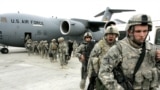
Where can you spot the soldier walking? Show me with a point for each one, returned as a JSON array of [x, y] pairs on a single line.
[[75, 45], [53, 47], [133, 63], [63, 51], [28, 45], [83, 52], [99, 50]]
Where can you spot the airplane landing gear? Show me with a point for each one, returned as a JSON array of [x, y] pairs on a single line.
[[4, 50]]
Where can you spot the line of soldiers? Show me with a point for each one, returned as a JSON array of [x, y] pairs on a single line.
[[89, 53], [128, 64], [51, 50]]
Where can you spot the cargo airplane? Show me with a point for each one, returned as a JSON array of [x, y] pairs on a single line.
[[14, 27]]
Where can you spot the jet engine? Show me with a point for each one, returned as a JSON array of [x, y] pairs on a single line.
[[72, 27]]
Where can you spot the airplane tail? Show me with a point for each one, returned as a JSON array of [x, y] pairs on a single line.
[[107, 14]]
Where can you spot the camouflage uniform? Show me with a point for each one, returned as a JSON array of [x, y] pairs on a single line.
[[35, 47], [53, 47], [100, 49], [84, 50], [45, 49], [63, 51], [29, 46], [128, 52], [27, 37], [75, 45], [40, 47]]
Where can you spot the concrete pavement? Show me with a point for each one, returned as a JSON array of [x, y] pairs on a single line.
[[18, 71]]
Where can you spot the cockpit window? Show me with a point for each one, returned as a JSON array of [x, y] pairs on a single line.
[[157, 38], [3, 19]]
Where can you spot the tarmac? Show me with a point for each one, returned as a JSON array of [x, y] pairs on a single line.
[[19, 71]]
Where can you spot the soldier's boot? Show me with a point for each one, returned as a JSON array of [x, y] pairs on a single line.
[[82, 84]]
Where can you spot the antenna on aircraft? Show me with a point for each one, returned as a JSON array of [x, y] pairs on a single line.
[[107, 14]]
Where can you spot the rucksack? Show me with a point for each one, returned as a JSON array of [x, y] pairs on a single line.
[[54, 46]]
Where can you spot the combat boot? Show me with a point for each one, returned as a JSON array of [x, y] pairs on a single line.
[[82, 84]]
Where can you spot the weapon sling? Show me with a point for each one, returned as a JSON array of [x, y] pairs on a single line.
[[138, 64]]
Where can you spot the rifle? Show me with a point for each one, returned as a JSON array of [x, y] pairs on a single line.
[[92, 80], [88, 46], [84, 64], [125, 82]]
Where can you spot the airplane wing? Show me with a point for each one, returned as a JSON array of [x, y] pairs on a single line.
[[78, 26], [118, 21], [95, 25]]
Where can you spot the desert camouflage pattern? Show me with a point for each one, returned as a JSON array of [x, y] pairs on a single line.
[[99, 50], [139, 19], [75, 45], [63, 51], [28, 46], [53, 50], [112, 29], [128, 52]]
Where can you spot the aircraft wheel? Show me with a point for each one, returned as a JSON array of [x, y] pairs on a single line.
[[4, 50]]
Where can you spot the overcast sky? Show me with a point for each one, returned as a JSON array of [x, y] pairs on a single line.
[[84, 9]]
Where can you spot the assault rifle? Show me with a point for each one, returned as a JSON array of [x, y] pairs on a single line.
[[124, 81]]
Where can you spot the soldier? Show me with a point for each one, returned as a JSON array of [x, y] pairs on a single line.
[[109, 39], [133, 58], [83, 52], [27, 37], [35, 47], [53, 47], [75, 45], [29, 46], [63, 51], [40, 47], [70, 49], [45, 49]]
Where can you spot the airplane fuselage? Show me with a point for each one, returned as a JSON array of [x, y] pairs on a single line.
[[14, 27]]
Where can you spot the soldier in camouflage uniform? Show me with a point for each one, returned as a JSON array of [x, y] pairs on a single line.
[[63, 51], [75, 45], [35, 47], [83, 52], [40, 47], [45, 49], [127, 52], [53, 47], [108, 40], [29, 46]]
